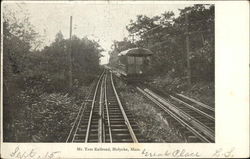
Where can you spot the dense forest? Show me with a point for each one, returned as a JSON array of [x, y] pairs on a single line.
[[166, 35], [36, 82]]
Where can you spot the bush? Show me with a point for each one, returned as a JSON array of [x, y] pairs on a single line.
[[44, 117]]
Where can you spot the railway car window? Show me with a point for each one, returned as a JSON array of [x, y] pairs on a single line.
[[131, 60], [146, 61], [139, 60]]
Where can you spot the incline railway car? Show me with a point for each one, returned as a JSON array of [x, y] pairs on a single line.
[[134, 63]]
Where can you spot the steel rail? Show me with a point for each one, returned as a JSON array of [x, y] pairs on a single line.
[[92, 108], [103, 127], [100, 120], [82, 115], [206, 130], [181, 121], [197, 102], [107, 109], [103, 113], [132, 134], [83, 105], [192, 107], [78, 124]]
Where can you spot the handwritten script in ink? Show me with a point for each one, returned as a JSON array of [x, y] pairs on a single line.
[[224, 153], [33, 154], [175, 153], [183, 153]]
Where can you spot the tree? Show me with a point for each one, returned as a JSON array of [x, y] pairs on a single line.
[[59, 37], [29, 73], [18, 39], [165, 35], [117, 47]]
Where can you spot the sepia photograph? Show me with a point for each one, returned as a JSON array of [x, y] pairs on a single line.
[[75, 72], [148, 77]]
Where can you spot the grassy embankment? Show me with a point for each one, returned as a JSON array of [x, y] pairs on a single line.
[[201, 91]]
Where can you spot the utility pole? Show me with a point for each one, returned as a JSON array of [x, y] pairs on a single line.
[[70, 54], [188, 53]]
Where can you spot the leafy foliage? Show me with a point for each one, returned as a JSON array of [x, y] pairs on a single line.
[[119, 46], [165, 35], [44, 118], [55, 62], [33, 77]]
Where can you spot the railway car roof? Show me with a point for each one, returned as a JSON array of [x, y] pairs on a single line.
[[136, 52]]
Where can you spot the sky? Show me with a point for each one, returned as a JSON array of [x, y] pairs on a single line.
[[102, 21]]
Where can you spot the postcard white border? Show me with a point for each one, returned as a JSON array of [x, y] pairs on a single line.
[[232, 94]]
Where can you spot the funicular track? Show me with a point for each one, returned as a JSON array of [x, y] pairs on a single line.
[[103, 118], [195, 120]]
